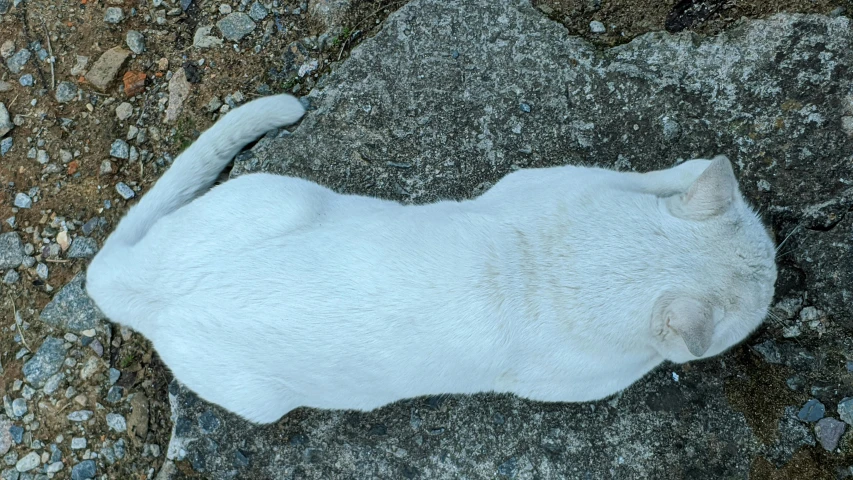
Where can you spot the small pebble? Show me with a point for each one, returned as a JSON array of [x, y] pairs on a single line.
[[153, 450], [114, 15], [65, 92], [19, 407], [78, 443], [845, 410], [114, 394], [116, 422], [83, 247], [29, 462], [26, 80], [5, 146], [80, 415], [236, 26], [828, 432], [42, 271], [83, 470], [80, 67], [97, 347], [17, 61], [17, 433], [114, 375], [7, 49], [52, 384], [258, 12], [126, 192], [812, 411], [90, 367], [135, 41], [120, 149], [597, 27], [11, 277], [123, 112]]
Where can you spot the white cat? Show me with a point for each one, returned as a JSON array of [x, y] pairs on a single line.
[[561, 284]]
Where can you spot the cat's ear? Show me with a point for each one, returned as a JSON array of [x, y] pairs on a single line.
[[691, 320], [709, 195]]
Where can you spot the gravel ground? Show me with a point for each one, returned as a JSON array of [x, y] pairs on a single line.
[[96, 99]]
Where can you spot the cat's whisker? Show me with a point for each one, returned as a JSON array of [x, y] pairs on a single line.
[[780, 255], [779, 247], [775, 319]]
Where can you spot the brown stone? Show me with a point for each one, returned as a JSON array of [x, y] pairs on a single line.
[[137, 421], [134, 83], [104, 71]]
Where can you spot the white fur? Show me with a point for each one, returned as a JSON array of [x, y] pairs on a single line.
[[562, 284]]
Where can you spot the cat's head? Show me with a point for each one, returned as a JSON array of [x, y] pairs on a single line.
[[731, 271]]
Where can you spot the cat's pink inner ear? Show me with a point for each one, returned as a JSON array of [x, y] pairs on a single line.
[[712, 193], [693, 321]]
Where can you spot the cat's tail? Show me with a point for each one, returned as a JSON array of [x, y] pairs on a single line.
[[197, 168], [191, 174]]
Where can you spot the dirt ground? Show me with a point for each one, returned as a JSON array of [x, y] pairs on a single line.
[[78, 181]]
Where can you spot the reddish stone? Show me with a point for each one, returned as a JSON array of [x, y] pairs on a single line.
[[134, 82], [72, 167]]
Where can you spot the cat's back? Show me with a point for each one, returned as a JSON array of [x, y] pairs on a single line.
[[321, 252]]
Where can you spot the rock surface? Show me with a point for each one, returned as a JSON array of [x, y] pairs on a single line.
[[451, 96], [71, 309]]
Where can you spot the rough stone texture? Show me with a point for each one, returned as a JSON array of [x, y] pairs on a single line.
[[83, 247], [66, 92], [104, 70], [22, 200], [6, 124], [845, 410], [5, 436], [11, 250], [47, 361], [451, 96], [113, 15], [84, 470], [179, 90], [27, 463], [829, 431], [16, 62], [134, 83], [331, 13], [71, 309], [135, 41], [236, 26], [203, 39]]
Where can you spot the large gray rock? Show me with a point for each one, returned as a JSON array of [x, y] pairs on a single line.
[[71, 309], [451, 96]]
